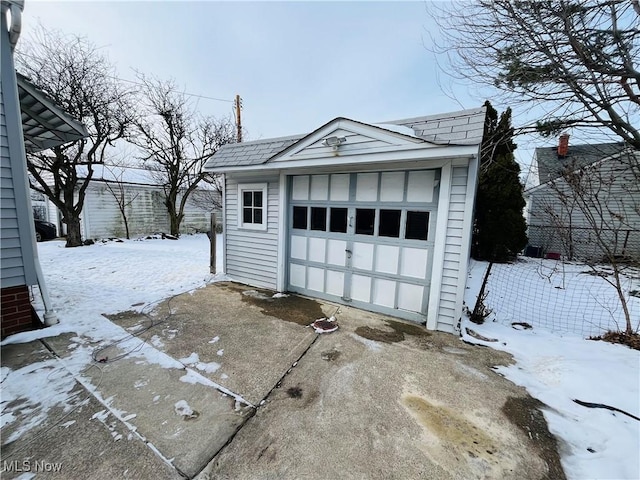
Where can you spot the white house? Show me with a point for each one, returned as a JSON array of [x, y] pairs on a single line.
[[603, 205], [142, 195], [374, 216]]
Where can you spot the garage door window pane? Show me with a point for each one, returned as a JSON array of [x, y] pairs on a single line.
[[389, 223], [319, 218], [365, 218], [417, 225], [338, 221], [300, 218]]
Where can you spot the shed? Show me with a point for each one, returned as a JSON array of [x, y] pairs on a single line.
[[376, 216]]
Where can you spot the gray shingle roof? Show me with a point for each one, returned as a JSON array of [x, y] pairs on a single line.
[[550, 166], [456, 128], [464, 127], [250, 153]]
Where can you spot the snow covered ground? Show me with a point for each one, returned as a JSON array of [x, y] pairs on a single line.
[[557, 368], [111, 277], [86, 282], [135, 275]]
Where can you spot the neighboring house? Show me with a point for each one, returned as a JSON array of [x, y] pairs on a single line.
[[141, 193], [608, 175], [29, 121], [374, 216]]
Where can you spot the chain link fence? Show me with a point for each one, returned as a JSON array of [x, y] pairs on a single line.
[[558, 295]]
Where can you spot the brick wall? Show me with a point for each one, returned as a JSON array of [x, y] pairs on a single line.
[[15, 310]]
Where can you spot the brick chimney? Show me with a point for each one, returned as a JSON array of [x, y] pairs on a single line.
[[563, 145]]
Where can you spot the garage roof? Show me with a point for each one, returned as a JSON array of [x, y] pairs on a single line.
[[464, 127], [456, 128], [252, 153], [44, 124]]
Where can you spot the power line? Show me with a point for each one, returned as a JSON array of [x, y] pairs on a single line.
[[175, 90]]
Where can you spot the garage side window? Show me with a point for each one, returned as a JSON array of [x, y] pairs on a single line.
[[252, 200]]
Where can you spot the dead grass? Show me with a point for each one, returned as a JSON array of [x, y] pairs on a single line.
[[631, 341]]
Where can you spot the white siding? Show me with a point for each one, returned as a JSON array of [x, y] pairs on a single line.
[[251, 255], [17, 265], [449, 309], [12, 268], [146, 212], [353, 142], [556, 226]]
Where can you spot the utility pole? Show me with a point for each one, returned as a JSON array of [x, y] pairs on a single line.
[[238, 120]]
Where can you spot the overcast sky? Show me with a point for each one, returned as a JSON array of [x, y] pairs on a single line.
[[296, 65]]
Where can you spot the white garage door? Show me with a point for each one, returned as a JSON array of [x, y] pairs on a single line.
[[364, 239]]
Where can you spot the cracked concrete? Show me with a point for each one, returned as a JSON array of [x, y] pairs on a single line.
[[258, 395]]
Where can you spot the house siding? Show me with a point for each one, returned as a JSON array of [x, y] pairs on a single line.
[[450, 305], [557, 228], [251, 256], [17, 265], [146, 212], [12, 270]]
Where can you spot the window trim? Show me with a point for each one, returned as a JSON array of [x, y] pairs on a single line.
[[252, 187]]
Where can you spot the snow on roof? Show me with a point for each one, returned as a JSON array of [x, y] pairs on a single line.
[[121, 174], [129, 175]]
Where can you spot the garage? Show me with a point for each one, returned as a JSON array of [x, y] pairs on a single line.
[[375, 216], [364, 239]]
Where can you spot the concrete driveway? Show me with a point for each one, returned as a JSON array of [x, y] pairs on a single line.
[[231, 383]]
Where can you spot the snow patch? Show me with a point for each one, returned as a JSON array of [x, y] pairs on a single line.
[[190, 360], [207, 367], [182, 408]]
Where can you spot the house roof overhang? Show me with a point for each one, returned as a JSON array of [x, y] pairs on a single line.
[[44, 124]]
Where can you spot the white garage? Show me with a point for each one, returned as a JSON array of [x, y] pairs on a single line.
[[373, 216]]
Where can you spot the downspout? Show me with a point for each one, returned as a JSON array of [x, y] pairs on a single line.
[[15, 7]]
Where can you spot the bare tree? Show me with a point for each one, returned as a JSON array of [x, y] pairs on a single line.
[[576, 60], [207, 199], [596, 212], [118, 189], [176, 142], [78, 77]]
